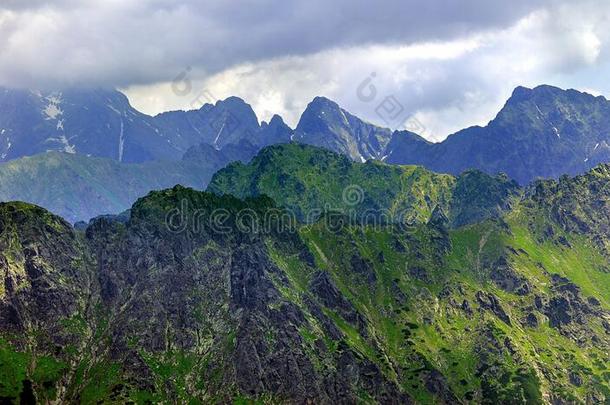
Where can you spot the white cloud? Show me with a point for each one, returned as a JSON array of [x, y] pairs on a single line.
[[450, 64], [447, 85], [127, 42]]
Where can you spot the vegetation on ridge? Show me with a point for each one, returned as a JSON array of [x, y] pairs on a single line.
[[491, 295]]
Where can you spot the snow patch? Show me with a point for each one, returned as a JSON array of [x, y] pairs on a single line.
[[53, 110], [586, 160], [344, 117], [556, 132], [539, 112], [54, 98], [218, 135], [8, 147], [114, 109], [2, 132], [596, 146], [63, 140], [67, 147], [121, 142]]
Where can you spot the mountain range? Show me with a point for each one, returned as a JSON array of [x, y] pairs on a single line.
[[403, 286], [102, 123], [540, 133]]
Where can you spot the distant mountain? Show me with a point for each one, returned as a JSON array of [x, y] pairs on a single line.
[[327, 125], [227, 122], [82, 153], [274, 132], [79, 187], [102, 123], [89, 122], [543, 132], [540, 133]]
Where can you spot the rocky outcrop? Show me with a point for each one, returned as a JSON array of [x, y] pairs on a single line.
[[490, 302], [195, 297], [508, 279]]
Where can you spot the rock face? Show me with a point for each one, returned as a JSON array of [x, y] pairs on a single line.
[[568, 128], [32, 290], [94, 122], [196, 297], [327, 125], [209, 301], [491, 303], [227, 122], [102, 123], [274, 132]]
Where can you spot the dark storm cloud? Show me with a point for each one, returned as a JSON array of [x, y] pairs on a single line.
[[119, 43]]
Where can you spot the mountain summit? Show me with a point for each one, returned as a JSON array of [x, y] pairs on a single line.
[[327, 125], [93, 122], [542, 132]]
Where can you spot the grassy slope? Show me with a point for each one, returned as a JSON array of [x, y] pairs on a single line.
[[444, 338], [78, 187], [308, 180], [410, 294]]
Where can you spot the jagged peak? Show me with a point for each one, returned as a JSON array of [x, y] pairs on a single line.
[[325, 109], [232, 100], [319, 104], [238, 106], [276, 120], [405, 135], [522, 93], [322, 100]]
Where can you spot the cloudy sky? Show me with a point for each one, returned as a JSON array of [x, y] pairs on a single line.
[[448, 63]]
